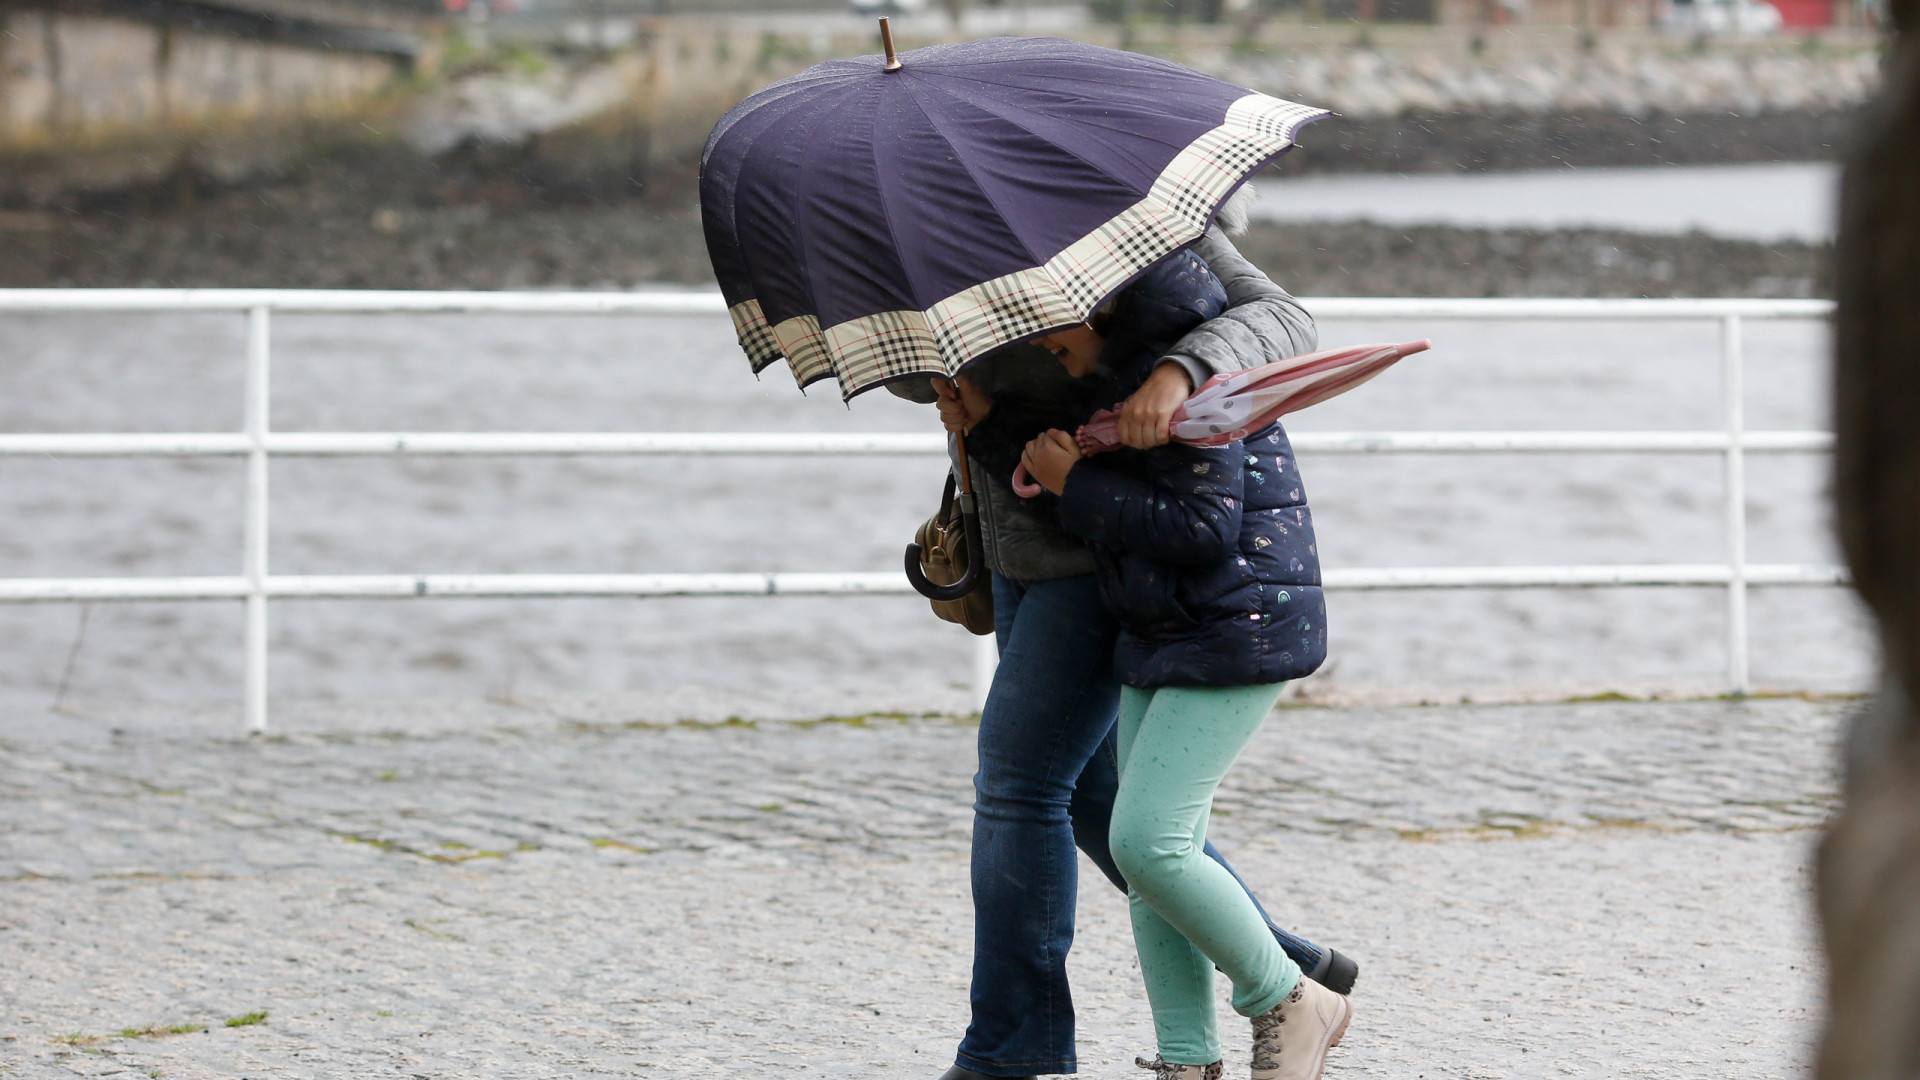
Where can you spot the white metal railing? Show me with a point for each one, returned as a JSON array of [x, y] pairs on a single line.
[[257, 443]]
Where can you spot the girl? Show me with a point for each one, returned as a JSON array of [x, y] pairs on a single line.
[[1206, 556]]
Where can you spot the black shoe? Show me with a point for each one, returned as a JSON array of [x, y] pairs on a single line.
[[961, 1072], [1336, 971]]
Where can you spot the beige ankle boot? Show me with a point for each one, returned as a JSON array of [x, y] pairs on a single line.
[[1163, 1070], [1291, 1040]]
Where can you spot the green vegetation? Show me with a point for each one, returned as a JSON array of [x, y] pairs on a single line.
[[853, 720], [422, 926], [248, 1019], [621, 845], [152, 1031], [156, 1031], [453, 851]]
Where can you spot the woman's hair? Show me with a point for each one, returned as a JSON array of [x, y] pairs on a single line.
[[1232, 217]]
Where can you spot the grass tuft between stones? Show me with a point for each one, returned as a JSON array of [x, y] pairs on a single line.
[[248, 1019], [156, 1031]]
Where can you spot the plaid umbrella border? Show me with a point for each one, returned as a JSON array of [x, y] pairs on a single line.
[[866, 352]]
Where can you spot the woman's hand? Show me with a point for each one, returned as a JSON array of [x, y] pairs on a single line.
[[1146, 416], [1049, 457], [962, 405]]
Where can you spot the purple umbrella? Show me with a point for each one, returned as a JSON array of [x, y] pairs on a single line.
[[880, 219], [873, 225]]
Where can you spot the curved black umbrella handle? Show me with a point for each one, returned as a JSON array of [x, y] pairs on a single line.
[[970, 525]]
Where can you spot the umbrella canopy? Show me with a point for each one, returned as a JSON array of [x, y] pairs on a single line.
[[1235, 404], [875, 224]]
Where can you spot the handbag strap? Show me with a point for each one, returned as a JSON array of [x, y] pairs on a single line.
[[946, 499]]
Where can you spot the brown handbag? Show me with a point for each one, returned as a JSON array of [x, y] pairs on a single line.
[[943, 559]]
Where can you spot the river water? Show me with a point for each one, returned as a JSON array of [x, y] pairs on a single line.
[[1762, 202], [164, 517]]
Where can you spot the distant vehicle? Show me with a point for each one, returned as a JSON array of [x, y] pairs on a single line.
[[1744, 17], [888, 7]]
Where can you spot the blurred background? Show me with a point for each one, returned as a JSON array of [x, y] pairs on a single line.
[[485, 143], [1480, 148]]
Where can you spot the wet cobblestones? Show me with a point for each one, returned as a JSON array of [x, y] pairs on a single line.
[[538, 896]]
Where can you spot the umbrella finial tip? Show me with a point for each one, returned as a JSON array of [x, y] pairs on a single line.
[[886, 42]]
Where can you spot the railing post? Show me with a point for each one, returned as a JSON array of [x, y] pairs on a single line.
[[259, 353], [986, 660], [1733, 387]]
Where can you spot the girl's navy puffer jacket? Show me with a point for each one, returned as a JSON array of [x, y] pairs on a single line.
[[1207, 557]]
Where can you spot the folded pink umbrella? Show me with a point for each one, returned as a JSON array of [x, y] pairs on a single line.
[[1233, 405]]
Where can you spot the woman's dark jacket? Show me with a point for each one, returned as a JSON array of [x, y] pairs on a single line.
[[1205, 554]]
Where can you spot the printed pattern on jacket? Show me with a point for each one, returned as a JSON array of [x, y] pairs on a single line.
[[1207, 557]]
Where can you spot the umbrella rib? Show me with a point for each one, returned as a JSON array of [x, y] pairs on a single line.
[[886, 218], [783, 133], [1014, 120], [967, 167], [777, 93], [796, 115]]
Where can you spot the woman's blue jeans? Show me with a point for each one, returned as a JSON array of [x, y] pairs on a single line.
[[1046, 784]]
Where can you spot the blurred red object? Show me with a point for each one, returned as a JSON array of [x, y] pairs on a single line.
[[1800, 13]]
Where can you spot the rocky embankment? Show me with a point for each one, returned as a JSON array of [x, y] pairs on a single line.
[[1641, 75], [511, 178]]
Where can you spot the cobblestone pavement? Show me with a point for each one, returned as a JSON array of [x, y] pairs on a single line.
[[1601, 889]]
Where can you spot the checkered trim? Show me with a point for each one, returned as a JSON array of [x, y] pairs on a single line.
[[756, 337], [864, 352], [881, 347], [805, 349], [996, 312]]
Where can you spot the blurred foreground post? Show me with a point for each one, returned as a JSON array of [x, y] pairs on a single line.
[[1869, 868]]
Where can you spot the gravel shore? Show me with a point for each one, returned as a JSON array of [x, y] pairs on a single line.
[[322, 236]]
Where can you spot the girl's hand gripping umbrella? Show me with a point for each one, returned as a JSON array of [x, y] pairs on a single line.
[[1233, 405]]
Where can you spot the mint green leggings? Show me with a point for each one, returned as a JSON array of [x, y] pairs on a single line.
[[1189, 914]]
